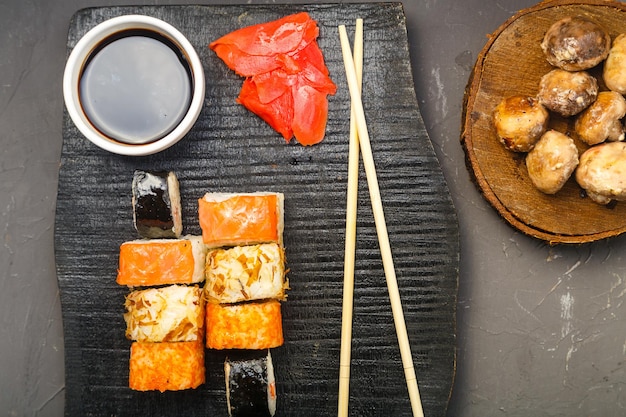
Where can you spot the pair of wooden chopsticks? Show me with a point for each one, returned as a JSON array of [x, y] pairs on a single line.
[[359, 137]]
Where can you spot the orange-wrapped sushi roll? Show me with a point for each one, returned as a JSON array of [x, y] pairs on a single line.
[[166, 314], [245, 273], [241, 219], [161, 261], [244, 326], [167, 366]]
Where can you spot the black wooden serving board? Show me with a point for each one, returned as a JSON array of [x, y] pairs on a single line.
[[230, 149]]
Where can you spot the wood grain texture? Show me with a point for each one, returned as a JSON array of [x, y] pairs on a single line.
[[230, 149], [512, 62]]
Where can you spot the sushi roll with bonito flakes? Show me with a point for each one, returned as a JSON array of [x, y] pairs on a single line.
[[245, 273], [174, 313], [250, 383], [156, 204]]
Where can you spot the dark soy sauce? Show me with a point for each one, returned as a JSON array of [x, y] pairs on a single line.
[[136, 87]]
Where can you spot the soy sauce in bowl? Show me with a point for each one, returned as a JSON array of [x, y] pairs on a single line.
[[136, 87]]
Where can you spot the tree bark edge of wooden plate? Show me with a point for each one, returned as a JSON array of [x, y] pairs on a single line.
[[566, 217]]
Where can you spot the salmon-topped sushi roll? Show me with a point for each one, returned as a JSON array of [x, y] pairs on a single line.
[[166, 314], [167, 366], [241, 219], [245, 273], [161, 261], [254, 325]]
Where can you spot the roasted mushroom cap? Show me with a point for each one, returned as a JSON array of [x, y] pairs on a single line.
[[567, 93], [614, 73], [520, 121], [601, 121], [576, 43], [602, 172], [552, 161]]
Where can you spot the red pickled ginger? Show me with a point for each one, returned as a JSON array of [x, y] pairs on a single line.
[[287, 81]]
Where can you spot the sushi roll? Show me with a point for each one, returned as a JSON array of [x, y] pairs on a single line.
[[161, 262], [156, 204], [250, 384], [253, 325], [167, 366], [245, 273], [241, 219], [166, 314]]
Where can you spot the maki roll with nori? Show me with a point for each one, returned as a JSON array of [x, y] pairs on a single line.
[[156, 204], [250, 383]]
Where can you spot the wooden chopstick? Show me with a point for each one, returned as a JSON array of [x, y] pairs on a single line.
[[381, 227], [350, 244]]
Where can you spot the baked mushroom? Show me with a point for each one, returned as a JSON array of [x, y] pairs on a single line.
[[520, 121], [602, 120], [552, 161], [614, 73], [602, 172], [576, 43], [567, 93]]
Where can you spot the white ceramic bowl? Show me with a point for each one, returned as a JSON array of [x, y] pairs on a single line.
[[81, 54]]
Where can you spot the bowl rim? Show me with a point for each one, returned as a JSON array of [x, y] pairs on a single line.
[[84, 48]]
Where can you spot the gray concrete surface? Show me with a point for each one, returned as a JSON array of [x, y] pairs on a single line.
[[540, 328]]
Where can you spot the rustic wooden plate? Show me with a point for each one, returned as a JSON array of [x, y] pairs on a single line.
[[512, 63]]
